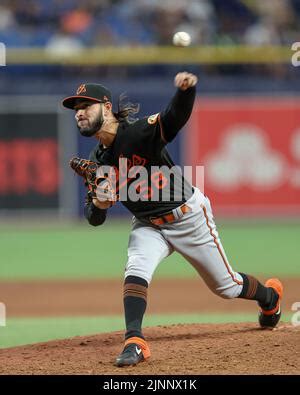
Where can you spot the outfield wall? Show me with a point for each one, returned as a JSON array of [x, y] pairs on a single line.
[[250, 149]]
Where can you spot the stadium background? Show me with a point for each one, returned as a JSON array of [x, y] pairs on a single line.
[[55, 269]]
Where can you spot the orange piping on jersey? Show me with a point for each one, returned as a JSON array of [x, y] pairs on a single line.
[[219, 248], [161, 130]]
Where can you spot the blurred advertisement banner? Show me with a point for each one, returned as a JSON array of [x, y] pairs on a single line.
[[29, 167], [250, 149]]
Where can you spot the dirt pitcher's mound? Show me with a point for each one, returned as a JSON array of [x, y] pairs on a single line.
[[176, 349]]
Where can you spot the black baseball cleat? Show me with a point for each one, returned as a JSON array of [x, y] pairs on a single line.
[[135, 351], [131, 355], [268, 319]]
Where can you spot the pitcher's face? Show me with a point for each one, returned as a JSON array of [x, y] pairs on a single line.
[[89, 117]]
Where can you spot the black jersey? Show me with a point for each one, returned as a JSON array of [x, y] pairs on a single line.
[[141, 163]]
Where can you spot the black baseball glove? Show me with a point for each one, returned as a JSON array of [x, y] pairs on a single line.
[[99, 186]]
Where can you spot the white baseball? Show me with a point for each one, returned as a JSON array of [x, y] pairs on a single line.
[[181, 39]]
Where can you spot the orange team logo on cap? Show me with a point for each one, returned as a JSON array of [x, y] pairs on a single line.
[[81, 89]]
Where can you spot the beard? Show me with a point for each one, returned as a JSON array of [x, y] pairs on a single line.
[[92, 128]]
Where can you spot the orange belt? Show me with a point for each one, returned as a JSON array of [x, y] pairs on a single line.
[[169, 217]]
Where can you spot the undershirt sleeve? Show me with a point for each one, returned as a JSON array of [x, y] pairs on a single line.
[[176, 115]]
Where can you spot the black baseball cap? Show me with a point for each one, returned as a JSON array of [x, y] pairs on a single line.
[[94, 92]]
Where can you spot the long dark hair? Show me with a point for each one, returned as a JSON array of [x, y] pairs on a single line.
[[126, 109]]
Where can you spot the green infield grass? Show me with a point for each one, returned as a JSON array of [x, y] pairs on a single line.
[[82, 251]]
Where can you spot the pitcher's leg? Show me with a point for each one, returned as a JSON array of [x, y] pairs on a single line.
[[135, 302], [196, 238], [250, 287], [146, 249], [198, 241]]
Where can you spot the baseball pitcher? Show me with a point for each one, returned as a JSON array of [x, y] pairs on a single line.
[[130, 163]]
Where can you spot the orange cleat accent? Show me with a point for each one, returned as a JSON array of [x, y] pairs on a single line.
[[142, 343], [268, 319], [278, 287]]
